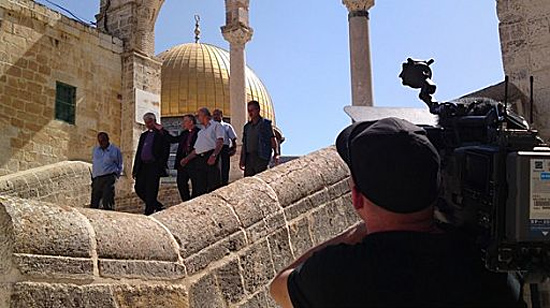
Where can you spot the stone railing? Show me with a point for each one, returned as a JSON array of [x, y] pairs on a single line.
[[219, 250], [66, 183]]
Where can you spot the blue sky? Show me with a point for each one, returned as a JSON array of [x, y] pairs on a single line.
[[300, 51]]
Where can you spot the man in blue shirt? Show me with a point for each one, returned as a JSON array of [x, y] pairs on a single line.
[[106, 169]]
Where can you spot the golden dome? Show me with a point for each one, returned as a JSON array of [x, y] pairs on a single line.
[[196, 75]]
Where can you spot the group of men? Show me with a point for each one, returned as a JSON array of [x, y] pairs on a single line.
[[398, 256], [204, 150]]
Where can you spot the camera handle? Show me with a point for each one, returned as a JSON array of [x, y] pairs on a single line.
[[417, 74]]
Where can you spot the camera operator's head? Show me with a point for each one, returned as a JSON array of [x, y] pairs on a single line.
[[395, 174]]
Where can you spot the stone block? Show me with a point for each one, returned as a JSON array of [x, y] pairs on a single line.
[[345, 208], [300, 236], [215, 252], [338, 189], [266, 226], [7, 240], [141, 269], [5, 294], [230, 281], [281, 252], [199, 223], [251, 198], [205, 293], [304, 176], [54, 267], [44, 229], [46, 295], [326, 222], [150, 295], [257, 266], [257, 300], [130, 237], [298, 208]]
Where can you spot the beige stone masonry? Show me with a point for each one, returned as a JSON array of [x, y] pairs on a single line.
[[38, 48], [66, 183], [219, 250]]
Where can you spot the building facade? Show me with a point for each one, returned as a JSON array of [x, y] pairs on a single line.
[[60, 83]]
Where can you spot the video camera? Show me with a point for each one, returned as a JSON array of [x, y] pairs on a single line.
[[495, 176]]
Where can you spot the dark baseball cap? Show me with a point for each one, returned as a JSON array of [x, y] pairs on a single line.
[[392, 162]]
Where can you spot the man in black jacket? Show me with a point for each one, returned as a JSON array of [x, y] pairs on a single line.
[[397, 256], [150, 163], [186, 144]]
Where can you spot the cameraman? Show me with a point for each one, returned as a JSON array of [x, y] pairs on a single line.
[[396, 256]]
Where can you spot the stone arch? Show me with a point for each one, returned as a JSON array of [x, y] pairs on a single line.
[[133, 21]]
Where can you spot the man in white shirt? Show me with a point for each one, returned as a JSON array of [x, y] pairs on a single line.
[[207, 153], [229, 145]]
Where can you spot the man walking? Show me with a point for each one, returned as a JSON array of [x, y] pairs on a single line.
[[229, 145], [186, 143], [258, 142], [150, 163], [207, 150], [106, 169]]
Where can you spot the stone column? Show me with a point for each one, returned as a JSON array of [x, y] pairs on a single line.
[[237, 32], [361, 70]]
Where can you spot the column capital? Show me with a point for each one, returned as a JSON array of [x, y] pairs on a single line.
[[358, 5], [239, 35]]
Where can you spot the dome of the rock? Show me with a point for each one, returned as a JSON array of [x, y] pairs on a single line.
[[196, 75]]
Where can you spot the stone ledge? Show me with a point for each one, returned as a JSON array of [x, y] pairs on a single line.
[[130, 237], [305, 175], [54, 267], [150, 295], [45, 295], [251, 199], [215, 252], [218, 250], [65, 182], [46, 229], [141, 269], [199, 223]]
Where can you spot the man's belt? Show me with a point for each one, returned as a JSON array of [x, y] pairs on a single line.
[[105, 175], [207, 153]]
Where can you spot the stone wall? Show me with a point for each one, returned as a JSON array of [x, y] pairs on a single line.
[[219, 250], [130, 203], [69, 183], [525, 42], [66, 183], [39, 47]]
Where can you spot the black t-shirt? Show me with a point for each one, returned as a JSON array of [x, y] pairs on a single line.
[[396, 269]]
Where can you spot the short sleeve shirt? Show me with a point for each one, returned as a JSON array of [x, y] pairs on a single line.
[[400, 269], [207, 137], [229, 133]]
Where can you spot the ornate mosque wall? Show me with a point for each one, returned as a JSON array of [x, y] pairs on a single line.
[[38, 48], [220, 250], [525, 42]]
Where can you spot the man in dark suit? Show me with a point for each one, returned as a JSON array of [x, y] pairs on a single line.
[[150, 163], [186, 144]]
